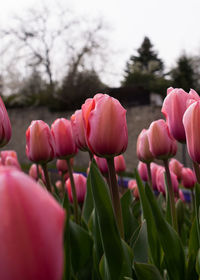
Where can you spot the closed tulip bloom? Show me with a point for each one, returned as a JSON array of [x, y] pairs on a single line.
[[120, 165], [80, 185], [174, 106], [40, 147], [181, 195], [65, 145], [102, 164], [12, 161], [105, 126], [142, 170], [176, 167], [78, 130], [34, 173], [6, 153], [61, 165], [188, 178], [160, 180], [154, 167], [132, 185], [143, 151], [5, 126], [191, 121], [31, 234], [162, 144]]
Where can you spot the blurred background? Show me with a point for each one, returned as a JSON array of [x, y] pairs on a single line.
[[55, 54]]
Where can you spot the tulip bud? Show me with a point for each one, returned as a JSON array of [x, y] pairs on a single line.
[[6, 153], [32, 226], [142, 170], [154, 167], [143, 151], [80, 185], [162, 144], [33, 172], [188, 178], [64, 141], [120, 165], [104, 118], [61, 165], [176, 167], [160, 180], [132, 185], [78, 130], [181, 195], [40, 147], [102, 164], [11, 161], [5, 126]]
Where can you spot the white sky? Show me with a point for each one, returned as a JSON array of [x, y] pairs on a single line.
[[172, 25]]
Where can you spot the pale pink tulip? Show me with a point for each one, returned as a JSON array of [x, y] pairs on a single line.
[[154, 167], [12, 161], [176, 167], [6, 153], [120, 164], [132, 185], [33, 172], [78, 130], [143, 151], [188, 178], [142, 170], [5, 126], [160, 180], [80, 185]]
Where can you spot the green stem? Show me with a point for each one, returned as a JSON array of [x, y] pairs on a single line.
[[47, 178], [149, 174], [115, 195], [171, 195], [75, 201]]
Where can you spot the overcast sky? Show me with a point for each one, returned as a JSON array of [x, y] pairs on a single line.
[[172, 25]]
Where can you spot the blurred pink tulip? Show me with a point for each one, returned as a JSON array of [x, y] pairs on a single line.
[[78, 130], [5, 126], [102, 164], [34, 173], [176, 167], [160, 180], [80, 185], [40, 146], [188, 178], [120, 164], [105, 125], [154, 167], [191, 121], [32, 226], [132, 185], [143, 151], [61, 165], [181, 195], [12, 161], [162, 144], [64, 140], [142, 170], [6, 153]]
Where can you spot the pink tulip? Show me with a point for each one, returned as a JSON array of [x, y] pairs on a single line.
[[32, 225], [188, 178], [78, 130], [80, 185], [40, 147], [61, 165], [142, 170], [102, 164], [181, 195], [6, 153], [5, 126], [34, 173], [154, 167], [160, 180], [162, 144], [132, 185], [64, 140], [59, 185], [174, 106], [191, 121], [105, 126], [143, 151], [120, 165], [176, 167], [11, 161]]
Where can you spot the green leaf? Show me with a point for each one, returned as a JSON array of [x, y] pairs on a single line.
[[168, 208], [140, 246], [88, 205], [130, 222], [170, 241], [111, 240], [147, 272], [198, 263], [153, 240]]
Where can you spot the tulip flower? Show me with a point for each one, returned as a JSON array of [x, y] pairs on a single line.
[[11, 161], [62, 166], [160, 180], [132, 185], [5, 126], [142, 170], [33, 172], [143, 151], [78, 130], [188, 178], [80, 185], [120, 165], [6, 153], [40, 147], [32, 226], [102, 164], [162, 144], [105, 126], [64, 140], [181, 195], [176, 167], [154, 167]]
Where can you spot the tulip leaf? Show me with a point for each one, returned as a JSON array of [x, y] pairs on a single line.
[[168, 208], [130, 222], [88, 205], [81, 250], [140, 246], [153, 241], [170, 241], [111, 240], [198, 263], [146, 271]]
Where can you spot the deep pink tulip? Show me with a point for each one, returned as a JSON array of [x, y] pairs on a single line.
[[61, 165], [132, 185], [5, 126], [176, 167], [191, 121], [80, 185], [32, 226], [162, 144], [102, 164], [143, 151], [188, 178], [105, 126], [64, 140], [6, 153], [154, 167], [120, 164], [78, 130], [34, 173], [40, 146], [142, 170], [160, 180]]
